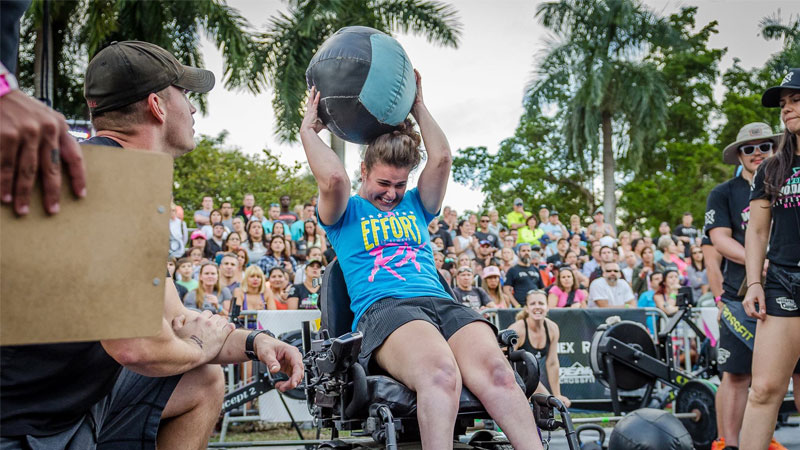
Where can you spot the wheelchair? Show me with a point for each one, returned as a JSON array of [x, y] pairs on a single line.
[[380, 412]]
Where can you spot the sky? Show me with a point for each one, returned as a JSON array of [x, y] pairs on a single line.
[[474, 92]]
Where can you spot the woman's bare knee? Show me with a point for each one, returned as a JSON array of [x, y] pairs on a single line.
[[442, 375], [500, 373]]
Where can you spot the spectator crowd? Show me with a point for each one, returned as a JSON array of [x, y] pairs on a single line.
[[272, 257]]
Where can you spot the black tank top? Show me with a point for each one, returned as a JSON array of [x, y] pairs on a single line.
[[539, 353]]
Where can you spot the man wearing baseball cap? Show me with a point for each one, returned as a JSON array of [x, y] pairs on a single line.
[[116, 393], [727, 212], [516, 218]]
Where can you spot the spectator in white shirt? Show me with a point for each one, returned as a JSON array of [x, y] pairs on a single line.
[[611, 291]]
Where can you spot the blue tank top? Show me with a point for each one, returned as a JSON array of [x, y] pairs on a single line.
[[385, 254]]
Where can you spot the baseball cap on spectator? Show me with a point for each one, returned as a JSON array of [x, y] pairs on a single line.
[[755, 131], [218, 224], [197, 234], [553, 212], [543, 207], [314, 261], [772, 96], [517, 201], [484, 242], [490, 271], [465, 269], [599, 211], [126, 72]]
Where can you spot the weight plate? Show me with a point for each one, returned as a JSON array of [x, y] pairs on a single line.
[[633, 334], [699, 395]]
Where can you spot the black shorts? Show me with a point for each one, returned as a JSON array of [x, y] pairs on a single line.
[[781, 300], [733, 355], [127, 418], [388, 314]]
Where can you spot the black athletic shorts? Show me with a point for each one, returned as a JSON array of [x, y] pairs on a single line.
[[782, 299], [388, 314], [733, 355], [125, 419]]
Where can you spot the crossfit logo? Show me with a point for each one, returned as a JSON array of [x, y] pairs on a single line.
[[787, 78], [576, 374], [710, 217], [786, 303], [722, 355]]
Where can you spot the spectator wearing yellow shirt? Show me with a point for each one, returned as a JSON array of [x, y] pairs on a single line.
[[516, 218], [530, 234]]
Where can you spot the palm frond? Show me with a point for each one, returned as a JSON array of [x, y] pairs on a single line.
[[436, 21]]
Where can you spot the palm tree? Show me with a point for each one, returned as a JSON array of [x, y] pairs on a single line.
[[772, 27], [294, 37], [90, 25], [598, 75]]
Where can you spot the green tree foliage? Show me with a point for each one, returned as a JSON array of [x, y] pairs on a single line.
[[227, 174], [531, 165], [598, 76], [82, 28], [678, 172], [293, 38]]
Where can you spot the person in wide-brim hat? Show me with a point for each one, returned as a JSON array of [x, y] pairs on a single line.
[[752, 132]]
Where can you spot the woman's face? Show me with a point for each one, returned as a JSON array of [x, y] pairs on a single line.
[[238, 225], [196, 255], [309, 227], [647, 255], [438, 259], [536, 304], [256, 231], [277, 246], [639, 246], [277, 280], [240, 256], [315, 253], [277, 229], [571, 258], [672, 248], [384, 186], [234, 241], [254, 281], [209, 275], [790, 110], [492, 282], [697, 254], [438, 243], [566, 278], [258, 212], [575, 222], [509, 241], [531, 222], [575, 240], [464, 260], [624, 239], [630, 259], [680, 248], [215, 217], [507, 254], [673, 280]]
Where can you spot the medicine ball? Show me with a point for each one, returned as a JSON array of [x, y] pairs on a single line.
[[366, 83], [650, 429]]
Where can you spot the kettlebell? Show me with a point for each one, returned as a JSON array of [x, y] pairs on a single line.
[[591, 445]]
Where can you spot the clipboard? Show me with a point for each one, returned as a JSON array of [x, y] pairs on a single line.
[[97, 269]]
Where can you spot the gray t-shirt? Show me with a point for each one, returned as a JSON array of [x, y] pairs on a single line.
[[190, 300]]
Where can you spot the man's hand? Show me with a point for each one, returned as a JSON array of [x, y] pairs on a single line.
[[207, 331], [34, 139], [280, 357]]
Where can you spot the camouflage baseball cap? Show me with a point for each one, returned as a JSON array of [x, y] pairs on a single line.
[[126, 72]]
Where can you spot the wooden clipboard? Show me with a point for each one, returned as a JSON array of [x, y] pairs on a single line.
[[96, 270]]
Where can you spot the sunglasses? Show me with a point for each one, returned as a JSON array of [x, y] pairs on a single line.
[[484, 220], [764, 147]]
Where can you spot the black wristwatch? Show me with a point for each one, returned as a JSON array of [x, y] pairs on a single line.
[[249, 351]]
